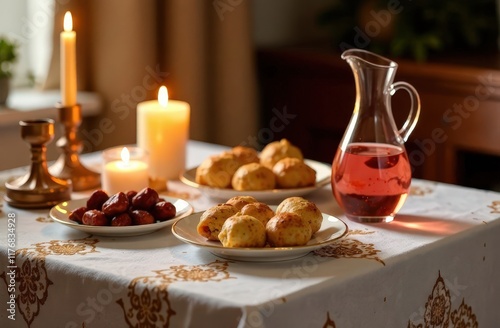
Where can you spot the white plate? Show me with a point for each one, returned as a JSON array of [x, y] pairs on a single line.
[[60, 213], [331, 229], [323, 174]]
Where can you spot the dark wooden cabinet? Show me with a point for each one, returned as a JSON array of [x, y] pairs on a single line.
[[457, 138]]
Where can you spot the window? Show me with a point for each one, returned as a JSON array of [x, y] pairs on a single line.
[[30, 23]]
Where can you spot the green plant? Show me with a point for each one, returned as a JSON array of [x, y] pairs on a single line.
[[416, 29], [8, 56]]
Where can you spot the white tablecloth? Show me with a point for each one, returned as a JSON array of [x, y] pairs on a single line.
[[436, 265]]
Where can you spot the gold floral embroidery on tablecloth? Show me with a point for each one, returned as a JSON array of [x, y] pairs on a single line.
[[495, 206], [68, 247], [147, 303], [348, 247], [359, 232], [438, 310], [32, 285], [464, 317], [31, 276], [146, 306], [215, 271], [46, 219], [329, 323]]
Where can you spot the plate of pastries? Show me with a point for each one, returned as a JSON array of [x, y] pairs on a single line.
[[246, 229], [277, 172], [123, 214]]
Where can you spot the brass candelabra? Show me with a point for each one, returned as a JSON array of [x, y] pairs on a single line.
[[68, 165], [37, 189]]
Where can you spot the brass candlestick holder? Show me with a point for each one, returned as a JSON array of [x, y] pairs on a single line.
[[68, 165], [37, 189]]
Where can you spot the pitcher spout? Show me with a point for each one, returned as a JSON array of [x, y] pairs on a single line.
[[368, 58]]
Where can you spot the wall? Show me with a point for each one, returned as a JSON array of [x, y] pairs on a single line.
[[284, 22]]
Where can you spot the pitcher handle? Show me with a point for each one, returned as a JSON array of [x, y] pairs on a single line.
[[412, 119]]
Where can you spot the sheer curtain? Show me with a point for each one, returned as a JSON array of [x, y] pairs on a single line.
[[201, 51]]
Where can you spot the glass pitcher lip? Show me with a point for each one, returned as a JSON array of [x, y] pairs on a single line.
[[369, 58]]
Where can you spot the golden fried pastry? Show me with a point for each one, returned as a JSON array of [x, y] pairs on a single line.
[[293, 172], [277, 150], [304, 208], [253, 176], [244, 154], [243, 231], [212, 219], [240, 201], [217, 171], [258, 210], [287, 201], [288, 229]]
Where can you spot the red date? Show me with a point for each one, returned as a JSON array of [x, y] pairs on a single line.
[[163, 211], [145, 199], [140, 217], [77, 215], [124, 209], [95, 218], [130, 194], [121, 220], [116, 204], [96, 200]]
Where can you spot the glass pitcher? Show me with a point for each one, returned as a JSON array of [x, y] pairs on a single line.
[[371, 173]]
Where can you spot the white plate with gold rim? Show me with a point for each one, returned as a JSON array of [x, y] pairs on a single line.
[[323, 174], [331, 230], [60, 213]]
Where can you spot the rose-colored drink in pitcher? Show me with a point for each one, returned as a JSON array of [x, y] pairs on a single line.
[[371, 173], [371, 180]]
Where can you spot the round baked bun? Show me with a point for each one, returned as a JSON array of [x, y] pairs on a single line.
[[288, 229], [244, 154], [293, 172], [260, 211], [243, 231], [212, 219], [253, 176], [287, 202], [217, 171], [277, 150], [304, 208], [240, 201]]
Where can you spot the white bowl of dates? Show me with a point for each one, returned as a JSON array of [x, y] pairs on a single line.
[[123, 214]]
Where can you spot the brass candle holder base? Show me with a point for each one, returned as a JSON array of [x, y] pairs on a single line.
[[37, 189], [68, 165]]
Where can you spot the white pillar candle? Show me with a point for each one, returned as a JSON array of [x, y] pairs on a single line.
[[125, 173], [163, 131], [68, 62]]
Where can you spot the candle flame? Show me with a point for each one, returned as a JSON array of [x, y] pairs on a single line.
[[163, 96], [125, 154], [68, 22]]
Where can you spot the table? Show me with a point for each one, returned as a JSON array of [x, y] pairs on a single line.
[[436, 265]]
